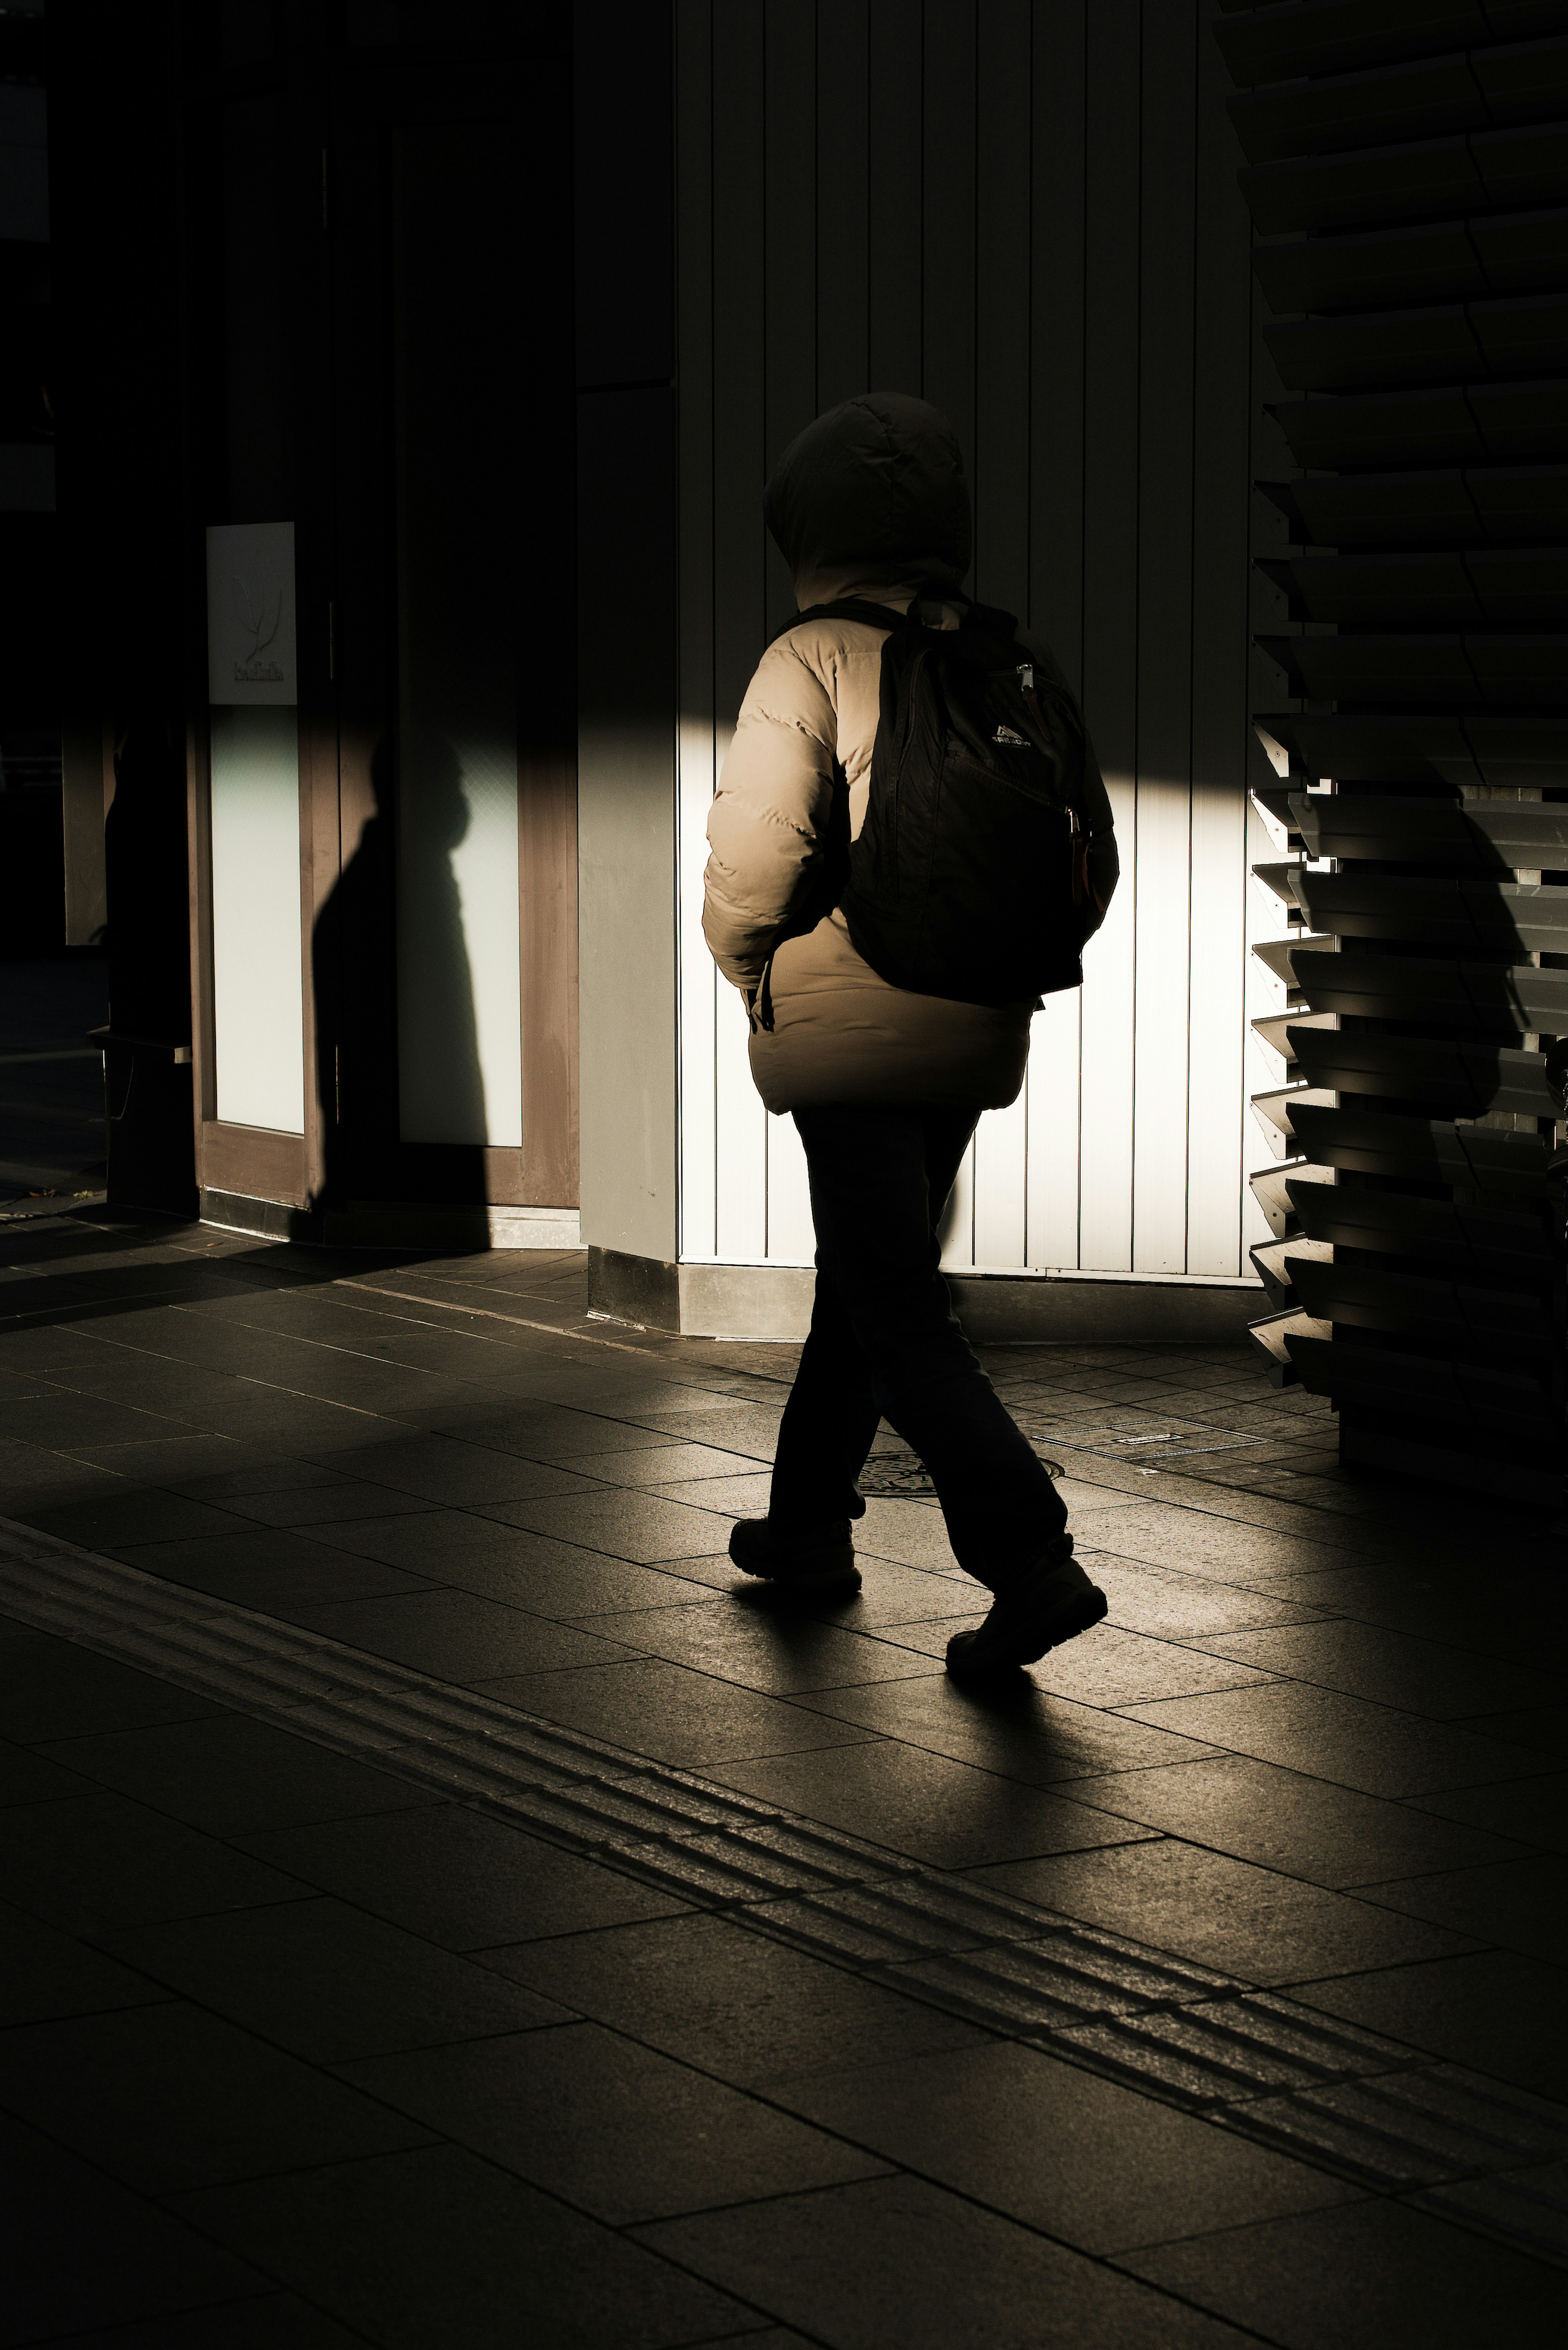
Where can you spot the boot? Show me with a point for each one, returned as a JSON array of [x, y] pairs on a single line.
[[1051, 1602], [798, 1558]]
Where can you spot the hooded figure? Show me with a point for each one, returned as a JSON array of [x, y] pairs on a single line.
[[870, 501], [886, 1084]]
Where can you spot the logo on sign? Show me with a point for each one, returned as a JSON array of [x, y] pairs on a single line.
[[259, 622]]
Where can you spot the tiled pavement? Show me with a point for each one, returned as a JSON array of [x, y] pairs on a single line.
[[441, 1909]]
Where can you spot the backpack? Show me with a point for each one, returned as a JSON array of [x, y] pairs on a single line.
[[970, 876]]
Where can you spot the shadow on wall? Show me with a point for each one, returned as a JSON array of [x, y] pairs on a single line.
[[151, 1138], [388, 1049]]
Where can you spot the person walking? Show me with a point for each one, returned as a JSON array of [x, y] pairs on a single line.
[[910, 844]]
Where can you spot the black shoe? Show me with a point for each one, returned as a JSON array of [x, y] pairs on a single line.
[[804, 1558], [1054, 1602]]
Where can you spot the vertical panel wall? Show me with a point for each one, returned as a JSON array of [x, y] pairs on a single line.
[[1026, 212]]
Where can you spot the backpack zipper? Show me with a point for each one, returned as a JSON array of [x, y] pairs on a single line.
[[1079, 849]]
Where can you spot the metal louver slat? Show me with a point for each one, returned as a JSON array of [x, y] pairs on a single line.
[[1512, 920], [1468, 1079], [1423, 180], [1411, 162], [1364, 110], [1453, 672], [1526, 334], [1504, 506], [1492, 1241], [1439, 262], [1325, 36], [1469, 424]]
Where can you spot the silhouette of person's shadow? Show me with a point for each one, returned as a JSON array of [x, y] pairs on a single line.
[[397, 1072]]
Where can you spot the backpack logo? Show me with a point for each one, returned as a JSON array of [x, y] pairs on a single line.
[[1006, 734]]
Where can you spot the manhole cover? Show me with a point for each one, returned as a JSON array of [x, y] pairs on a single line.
[[901, 1474]]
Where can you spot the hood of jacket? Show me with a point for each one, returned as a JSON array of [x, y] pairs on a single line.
[[873, 492]]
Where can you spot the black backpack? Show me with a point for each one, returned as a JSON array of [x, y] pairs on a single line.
[[968, 879]]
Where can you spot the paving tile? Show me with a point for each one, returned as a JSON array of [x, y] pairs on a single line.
[[736, 2004], [42, 1347], [549, 1432], [1389, 1667], [32, 1480], [1541, 1728], [61, 1420], [1282, 1819], [1083, 2159], [772, 2337], [667, 1465], [91, 1862], [900, 2264], [752, 1639], [1341, 1738], [261, 1475], [231, 1775], [911, 1533], [458, 1878], [438, 1542], [1365, 2274], [1522, 1904], [272, 2321], [176, 1465], [27, 1776], [946, 1814], [269, 1568], [433, 2248], [743, 1494], [1199, 1544], [624, 1523], [673, 1714], [45, 1973], [1526, 2207], [1494, 2012], [566, 1585], [82, 2252], [1222, 1913], [718, 1570], [1170, 1605], [448, 1471], [889, 1595], [329, 1983], [613, 2128], [720, 1422], [1436, 1602], [1014, 1729], [319, 1505], [1109, 1668], [458, 1635], [1535, 1811], [52, 1689], [167, 2098], [132, 1517]]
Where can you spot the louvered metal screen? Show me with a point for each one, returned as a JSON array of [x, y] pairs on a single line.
[[1408, 177]]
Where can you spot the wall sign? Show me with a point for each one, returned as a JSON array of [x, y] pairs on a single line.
[[250, 613]]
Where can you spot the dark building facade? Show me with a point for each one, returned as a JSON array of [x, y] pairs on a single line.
[[422, 372]]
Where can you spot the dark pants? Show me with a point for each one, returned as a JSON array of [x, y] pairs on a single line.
[[885, 1343]]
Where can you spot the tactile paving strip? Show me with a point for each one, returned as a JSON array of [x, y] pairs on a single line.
[[1475, 2151]]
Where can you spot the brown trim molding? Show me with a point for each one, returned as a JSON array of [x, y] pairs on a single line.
[[252, 1162]]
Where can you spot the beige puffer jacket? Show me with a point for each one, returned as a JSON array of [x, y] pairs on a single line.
[[868, 501]]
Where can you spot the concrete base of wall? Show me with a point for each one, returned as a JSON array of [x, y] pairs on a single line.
[[456, 1231], [439, 1229], [773, 1302]]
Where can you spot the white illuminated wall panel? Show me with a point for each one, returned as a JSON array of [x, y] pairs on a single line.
[[257, 1008]]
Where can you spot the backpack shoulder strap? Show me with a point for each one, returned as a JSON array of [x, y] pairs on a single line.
[[850, 608]]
